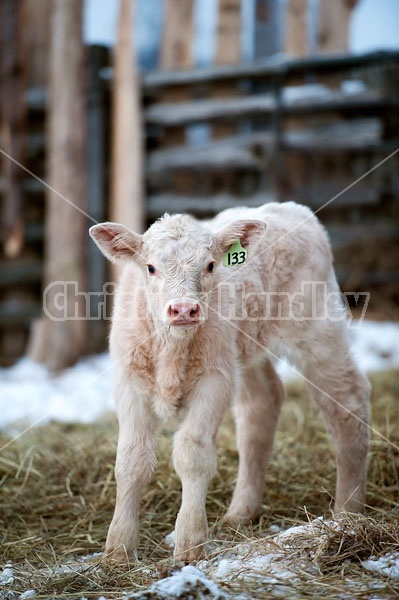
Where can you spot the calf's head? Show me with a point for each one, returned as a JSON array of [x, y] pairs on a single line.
[[178, 258]]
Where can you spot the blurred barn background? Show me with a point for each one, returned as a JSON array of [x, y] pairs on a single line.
[[127, 110]]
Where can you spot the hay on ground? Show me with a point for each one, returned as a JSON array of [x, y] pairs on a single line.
[[58, 493]]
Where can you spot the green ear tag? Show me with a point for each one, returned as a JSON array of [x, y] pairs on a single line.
[[236, 255]]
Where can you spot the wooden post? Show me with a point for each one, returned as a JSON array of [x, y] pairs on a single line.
[[296, 39], [177, 51], [228, 51], [12, 121], [127, 205], [96, 187], [333, 30], [228, 46], [267, 31], [59, 343], [37, 15]]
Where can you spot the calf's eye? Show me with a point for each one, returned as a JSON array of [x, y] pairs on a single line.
[[210, 267], [151, 269]]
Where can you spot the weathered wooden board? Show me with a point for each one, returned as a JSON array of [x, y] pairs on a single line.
[[20, 272], [245, 151], [178, 33], [201, 111], [281, 67], [200, 206], [249, 151]]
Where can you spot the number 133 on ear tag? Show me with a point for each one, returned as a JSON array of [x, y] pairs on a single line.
[[236, 255]]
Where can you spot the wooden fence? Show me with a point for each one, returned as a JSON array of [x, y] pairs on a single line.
[[307, 130]]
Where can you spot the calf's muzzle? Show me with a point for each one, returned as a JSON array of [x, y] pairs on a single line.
[[183, 313]]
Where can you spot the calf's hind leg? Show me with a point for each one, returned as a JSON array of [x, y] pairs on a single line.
[[256, 412], [342, 393]]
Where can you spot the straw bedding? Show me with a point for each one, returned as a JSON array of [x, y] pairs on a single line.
[[58, 492]]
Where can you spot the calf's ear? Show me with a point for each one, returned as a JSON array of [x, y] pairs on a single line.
[[248, 232], [116, 241]]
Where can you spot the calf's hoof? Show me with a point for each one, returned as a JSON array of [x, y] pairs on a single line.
[[190, 536], [118, 555], [189, 555], [241, 517], [234, 520], [354, 507]]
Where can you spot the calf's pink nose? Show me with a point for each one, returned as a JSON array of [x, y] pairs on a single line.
[[183, 311]]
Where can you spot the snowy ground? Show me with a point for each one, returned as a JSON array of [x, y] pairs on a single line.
[[30, 395], [272, 564]]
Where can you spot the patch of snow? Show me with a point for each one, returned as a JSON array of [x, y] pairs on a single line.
[[318, 526], [271, 562], [7, 576], [82, 393], [227, 566], [387, 565], [276, 567], [309, 91], [92, 556], [353, 86], [181, 585], [295, 93], [78, 564], [170, 539], [27, 594], [274, 529], [269, 568], [30, 394], [374, 345]]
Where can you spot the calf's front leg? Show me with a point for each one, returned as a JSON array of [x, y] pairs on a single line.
[[135, 461], [194, 459]]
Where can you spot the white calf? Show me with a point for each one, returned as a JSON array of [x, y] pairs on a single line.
[[196, 325]]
